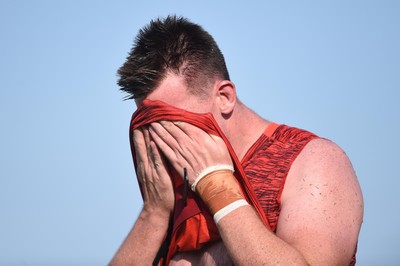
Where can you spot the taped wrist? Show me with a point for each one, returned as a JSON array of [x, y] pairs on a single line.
[[210, 169], [221, 192]]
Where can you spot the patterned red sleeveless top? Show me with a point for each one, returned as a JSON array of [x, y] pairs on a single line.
[[268, 162]]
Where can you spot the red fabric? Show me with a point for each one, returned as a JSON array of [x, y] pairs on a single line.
[[267, 164], [193, 226]]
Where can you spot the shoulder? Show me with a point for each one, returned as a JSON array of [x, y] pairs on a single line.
[[324, 160], [322, 164], [322, 149], [322, 205]]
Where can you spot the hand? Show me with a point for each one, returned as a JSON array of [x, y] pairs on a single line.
[[185, 145], [155, 181]]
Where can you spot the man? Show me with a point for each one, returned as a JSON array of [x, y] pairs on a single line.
[[312, 206]]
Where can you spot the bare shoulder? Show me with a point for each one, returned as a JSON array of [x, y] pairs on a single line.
[[322, 204], [322, 161]]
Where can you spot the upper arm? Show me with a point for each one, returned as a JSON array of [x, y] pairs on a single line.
[[321, 205]]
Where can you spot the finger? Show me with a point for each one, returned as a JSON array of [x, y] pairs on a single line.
[[137, 138], [207, 149], [187, 128], [163, 141], [196, 134], [169, 133], [179, 130], [163, 137], [150, 152], [157, 160], [139, 144], [176, 151], [179, 141], [141, 155], [147, 138]]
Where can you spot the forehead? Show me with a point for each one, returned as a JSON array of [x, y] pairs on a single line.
[[174, 91], [170, 86], [171, 90]]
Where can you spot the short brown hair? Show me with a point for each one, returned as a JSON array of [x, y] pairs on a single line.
[[176, 45]]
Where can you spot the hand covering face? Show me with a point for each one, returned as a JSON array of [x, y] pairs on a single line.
[[192, 225]]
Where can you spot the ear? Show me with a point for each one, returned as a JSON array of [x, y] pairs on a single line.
[[225, 96]]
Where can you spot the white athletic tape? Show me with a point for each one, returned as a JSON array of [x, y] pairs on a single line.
[[208, 170], [228, 209]]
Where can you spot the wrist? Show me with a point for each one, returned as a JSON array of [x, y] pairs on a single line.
[[155, 216], [221, 192]]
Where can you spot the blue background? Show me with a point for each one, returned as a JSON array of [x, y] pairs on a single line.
[[68, 193]]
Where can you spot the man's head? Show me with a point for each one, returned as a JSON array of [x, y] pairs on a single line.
[[174, 46]]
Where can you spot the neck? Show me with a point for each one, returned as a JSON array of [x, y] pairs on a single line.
[[243, 128]]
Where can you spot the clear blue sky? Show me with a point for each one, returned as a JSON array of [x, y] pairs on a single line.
[[68, 193]]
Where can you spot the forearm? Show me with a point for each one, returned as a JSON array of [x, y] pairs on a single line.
[[249, 243], [143, 241]]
